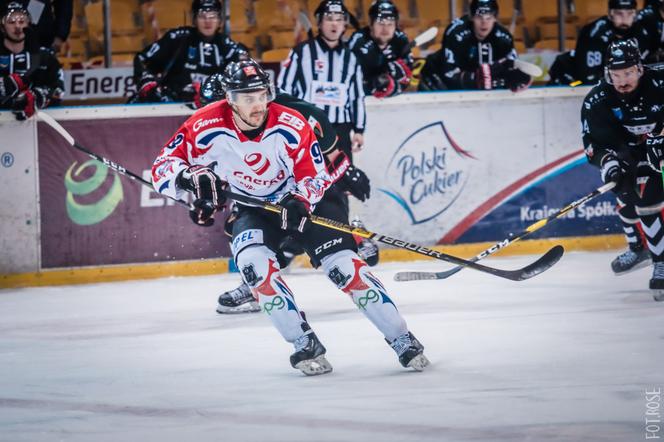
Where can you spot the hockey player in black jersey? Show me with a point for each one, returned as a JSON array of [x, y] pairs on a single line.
[[383, 51], [586, 62], [651, 20], [622, 120], [350, 179], [30, 77], [173, 68], [477, 53]]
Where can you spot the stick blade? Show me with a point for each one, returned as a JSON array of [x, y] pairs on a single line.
[[544, 263], [426, 36], [414, 276], [528, 68]]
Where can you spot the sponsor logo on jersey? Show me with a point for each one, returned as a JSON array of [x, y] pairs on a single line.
[[243, 177], [246, 238], [641, 129], [291, 120], [257, 162], [200, 124], [427, 173]]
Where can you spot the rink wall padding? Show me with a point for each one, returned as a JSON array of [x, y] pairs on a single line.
[[463, 168]]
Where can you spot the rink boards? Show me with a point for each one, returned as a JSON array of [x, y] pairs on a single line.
[[446, 168]]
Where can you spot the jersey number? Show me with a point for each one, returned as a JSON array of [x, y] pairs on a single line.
[[594, 58]]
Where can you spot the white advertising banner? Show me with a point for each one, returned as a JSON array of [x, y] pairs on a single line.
[[448, 168], [84, 84]]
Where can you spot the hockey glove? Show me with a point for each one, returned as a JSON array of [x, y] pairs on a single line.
[[207, 187], [655, 151], [385, 86], [516, 80], [399, 71], [294, 213], [11, 85], [149, 90], [489, 76], [23, 106], [349, 178], [611, 170]]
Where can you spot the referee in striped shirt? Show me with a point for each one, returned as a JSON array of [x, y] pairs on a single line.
[[324, 71]]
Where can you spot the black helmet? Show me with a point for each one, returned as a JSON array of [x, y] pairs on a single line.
[[622, 4], [383, 9], [480, 7], [245, 76], [14, 6], [622, 54], [205, 5], [330, 7], [212, 89]]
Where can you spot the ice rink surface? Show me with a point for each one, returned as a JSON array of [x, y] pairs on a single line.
[[566, 356]]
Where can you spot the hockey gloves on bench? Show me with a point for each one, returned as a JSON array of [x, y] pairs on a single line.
[[295, 213], [207, 187]]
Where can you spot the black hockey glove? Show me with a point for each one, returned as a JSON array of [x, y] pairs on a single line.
[[655, 151], [25, 104], [612, 170], [349, 178], [149, 90], [294, 213], [11, 85], [207, 187], [399, 71], [490, 76], [516, 80]]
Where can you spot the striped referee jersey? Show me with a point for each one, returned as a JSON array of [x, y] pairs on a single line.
[[329, 78]]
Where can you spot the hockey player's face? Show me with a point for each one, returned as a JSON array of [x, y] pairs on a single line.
[[251, 107], [483, 25], [332, 26], [207, 23], [622, 19], [626, 80], [14, 26], [382, 30]]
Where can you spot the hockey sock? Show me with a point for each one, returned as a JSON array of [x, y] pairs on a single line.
[[260, 271], [654, 230], [351, 275], [630, 224]]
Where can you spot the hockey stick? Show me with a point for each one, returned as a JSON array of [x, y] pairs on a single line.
[[539, 266], [422, 39], [414, 276], [528, 68]]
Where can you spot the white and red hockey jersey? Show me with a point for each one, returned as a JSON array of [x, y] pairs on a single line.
[[284, 158]]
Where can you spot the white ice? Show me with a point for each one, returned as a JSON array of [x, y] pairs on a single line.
[[566, 356]]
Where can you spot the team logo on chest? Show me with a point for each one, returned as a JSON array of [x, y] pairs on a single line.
[[257, 162]]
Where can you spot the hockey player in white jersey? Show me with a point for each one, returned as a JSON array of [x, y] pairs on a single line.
[[268, 151]]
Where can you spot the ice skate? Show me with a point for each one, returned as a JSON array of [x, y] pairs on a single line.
[[309, 356], [410, 351], [630, 260], [657, 281], [239, 300], [366, 248]]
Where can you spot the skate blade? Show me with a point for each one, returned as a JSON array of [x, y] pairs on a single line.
[[248, 307], [642, 264], [658, 295], [314, 367], [419, 362]]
